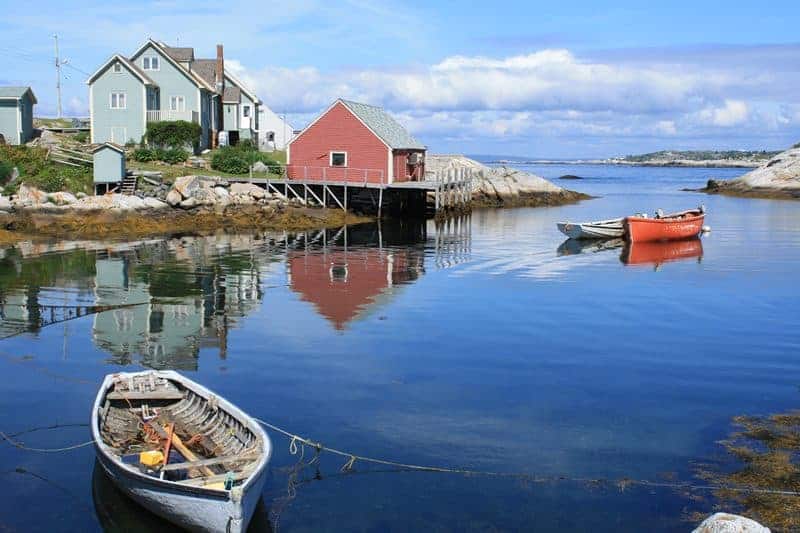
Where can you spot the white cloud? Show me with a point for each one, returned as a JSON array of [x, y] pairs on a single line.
[[732, 113]]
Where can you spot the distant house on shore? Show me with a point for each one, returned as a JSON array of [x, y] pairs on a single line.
[[355, 142], [275, 132], [16, 114], [163, 83]]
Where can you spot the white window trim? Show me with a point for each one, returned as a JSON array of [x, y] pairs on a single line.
[[177, 98], [150, 63], [330, 159], [110, 99]]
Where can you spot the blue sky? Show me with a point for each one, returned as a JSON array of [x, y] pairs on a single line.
[[540, 79]]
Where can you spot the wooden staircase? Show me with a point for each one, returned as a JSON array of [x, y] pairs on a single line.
[[128, 185]]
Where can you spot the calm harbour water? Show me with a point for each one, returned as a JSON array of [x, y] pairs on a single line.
[[483, 344]]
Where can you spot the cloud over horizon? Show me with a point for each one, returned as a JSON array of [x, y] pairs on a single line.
[[551, 92]]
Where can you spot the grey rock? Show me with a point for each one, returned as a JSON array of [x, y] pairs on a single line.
[[30, 194], [189, 203], [62, 198], [80, 195], [221, 192], [186, 185], [152, 203], [259, 166], [173, 198], [5, 203], [730, 523], [250, 189]]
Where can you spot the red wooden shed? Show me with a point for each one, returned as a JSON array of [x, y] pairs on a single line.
[[355, 143]]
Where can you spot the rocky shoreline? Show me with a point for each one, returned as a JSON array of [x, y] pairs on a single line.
[[778, 178], [503, 186], [193, 204]]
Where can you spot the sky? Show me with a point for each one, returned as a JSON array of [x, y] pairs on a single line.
[[566, 79]]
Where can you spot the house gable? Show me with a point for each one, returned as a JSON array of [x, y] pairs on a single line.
[[151, 48], [114, 123], [339, 130]]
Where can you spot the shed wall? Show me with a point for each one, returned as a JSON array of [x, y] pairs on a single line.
[[338, 130]]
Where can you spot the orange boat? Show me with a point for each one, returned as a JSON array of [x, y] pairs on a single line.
[[656, 253], [675, 226]]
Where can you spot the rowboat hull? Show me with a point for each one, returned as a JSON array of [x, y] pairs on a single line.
[[604, 229], [685, 226], [193, 508]]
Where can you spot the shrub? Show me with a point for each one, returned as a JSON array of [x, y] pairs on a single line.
[[6, 168], [173, 156], [796, 145], [82, 136], [131, 144], [231, 160], [247, 145], [174, 134], [144, 155]]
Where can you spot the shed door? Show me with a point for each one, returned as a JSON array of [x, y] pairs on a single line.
[[119, 134]]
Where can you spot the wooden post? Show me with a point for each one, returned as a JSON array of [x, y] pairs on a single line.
[[345, 192], [380, 201]]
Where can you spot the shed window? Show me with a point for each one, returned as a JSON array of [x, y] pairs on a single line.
[[177, 103], [118, 101], [117, 67], [150, 63], [338, 159]]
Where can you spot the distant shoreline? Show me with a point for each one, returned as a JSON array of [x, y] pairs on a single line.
[[618, 162]]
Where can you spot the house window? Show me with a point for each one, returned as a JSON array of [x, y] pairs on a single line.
[[150, 63], [118, 101], [338, 159], [177, 103], [246, 111], [117, 67]]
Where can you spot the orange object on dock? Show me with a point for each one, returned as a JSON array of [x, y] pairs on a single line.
[[683, 225]]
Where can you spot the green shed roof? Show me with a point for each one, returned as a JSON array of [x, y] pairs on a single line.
[[15, 93]]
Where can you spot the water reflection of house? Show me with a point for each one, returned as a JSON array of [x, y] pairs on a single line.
[[173, 323], [345, 280]]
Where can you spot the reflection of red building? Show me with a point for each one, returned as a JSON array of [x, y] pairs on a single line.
[[343, 284]]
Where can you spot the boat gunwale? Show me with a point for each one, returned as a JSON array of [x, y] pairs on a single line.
[[175, 486], [672, 218]]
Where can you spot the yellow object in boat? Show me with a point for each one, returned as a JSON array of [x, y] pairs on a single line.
[[151, 458]]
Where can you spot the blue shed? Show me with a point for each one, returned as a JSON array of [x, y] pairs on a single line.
[[109, 166], [16, 114]]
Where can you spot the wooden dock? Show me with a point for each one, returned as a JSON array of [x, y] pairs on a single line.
[[449, 191]]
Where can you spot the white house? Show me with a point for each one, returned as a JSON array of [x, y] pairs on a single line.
[[274, 132]]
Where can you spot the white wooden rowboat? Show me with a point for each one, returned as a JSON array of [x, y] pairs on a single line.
[[601, 229], [214, 476]]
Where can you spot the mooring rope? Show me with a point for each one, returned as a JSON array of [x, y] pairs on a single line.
[[21, 446], [297, 446], [351, 459]]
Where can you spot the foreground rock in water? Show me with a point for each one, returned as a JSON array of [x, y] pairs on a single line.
[[730, 523], [777, 178], [504, 186]]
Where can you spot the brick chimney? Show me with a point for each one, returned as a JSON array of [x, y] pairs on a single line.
[[219, 86]]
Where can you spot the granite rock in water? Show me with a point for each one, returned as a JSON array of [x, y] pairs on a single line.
[[500, 185], [778, 177], [730, 523]]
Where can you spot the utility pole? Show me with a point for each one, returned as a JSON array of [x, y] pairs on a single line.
[[58, 76]]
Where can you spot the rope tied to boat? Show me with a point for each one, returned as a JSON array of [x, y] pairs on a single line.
[[21, 446]]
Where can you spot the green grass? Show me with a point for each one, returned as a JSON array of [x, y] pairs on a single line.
[[35, 169]]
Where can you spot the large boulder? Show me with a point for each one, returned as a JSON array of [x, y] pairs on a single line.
[[62, 198], [174, 198], [781, 172], [5, 203], [248, 189], [154, 203], [30, 195], [730, 523], [503, 185], [187, 185], [221, 192]]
